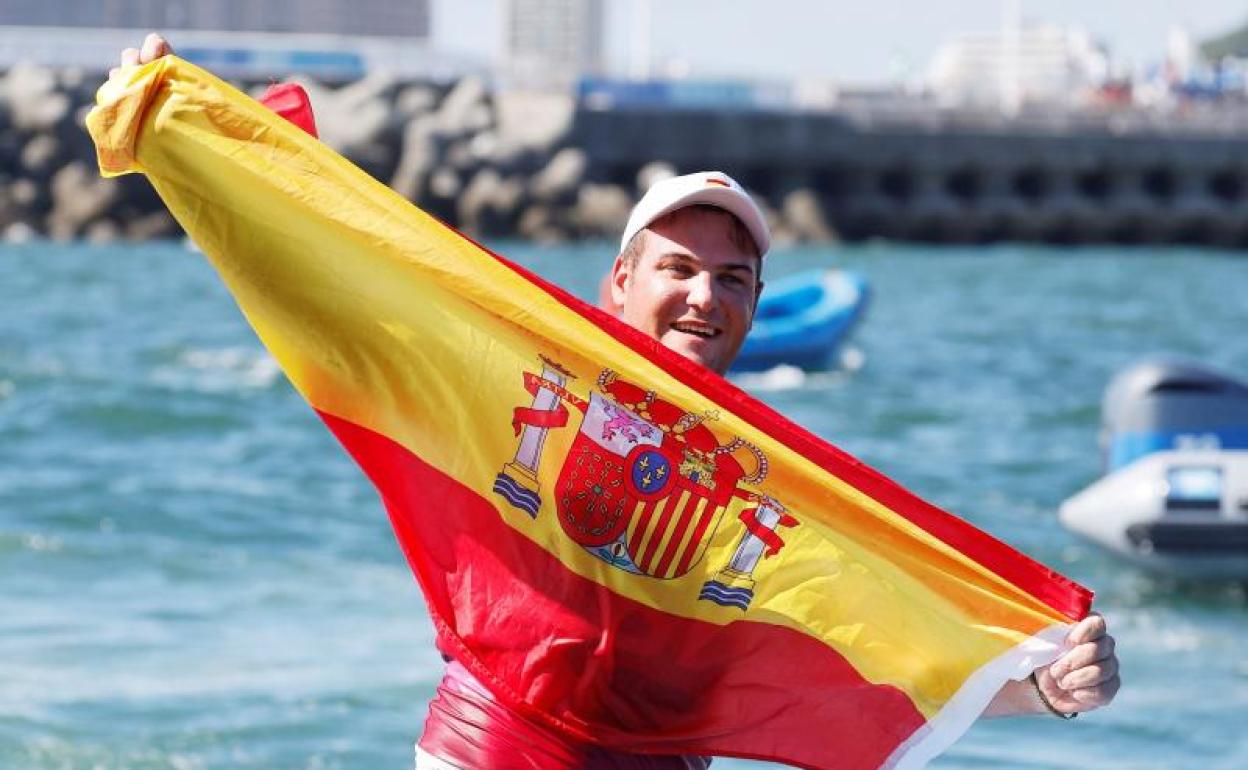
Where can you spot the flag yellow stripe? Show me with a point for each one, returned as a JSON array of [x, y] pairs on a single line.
[[672, 550], [635, 521]]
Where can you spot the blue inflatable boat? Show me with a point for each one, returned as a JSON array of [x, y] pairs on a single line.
[[802, 319]]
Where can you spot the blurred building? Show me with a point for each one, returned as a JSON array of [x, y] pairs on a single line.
[[553, 41], [409, 18], [1031, 64], [330, 40]]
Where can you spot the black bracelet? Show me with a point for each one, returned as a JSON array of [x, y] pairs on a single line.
[[1035, 684]]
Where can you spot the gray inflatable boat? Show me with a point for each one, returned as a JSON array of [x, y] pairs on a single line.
[[1174, 496]]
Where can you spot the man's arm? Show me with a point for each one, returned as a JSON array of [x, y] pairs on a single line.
[[1083, 679]]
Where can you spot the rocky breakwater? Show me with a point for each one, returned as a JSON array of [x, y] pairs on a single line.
[[500, 163], [49, 185], [494, 164]]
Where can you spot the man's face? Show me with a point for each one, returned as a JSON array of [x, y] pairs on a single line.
[[692, 287]]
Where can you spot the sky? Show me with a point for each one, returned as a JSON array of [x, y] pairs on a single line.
[[871, 41]]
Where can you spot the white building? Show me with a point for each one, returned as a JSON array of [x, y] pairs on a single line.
[[1018, 66], [553, 41]]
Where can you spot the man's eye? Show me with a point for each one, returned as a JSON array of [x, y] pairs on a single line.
[[679, 269], [733, 280]]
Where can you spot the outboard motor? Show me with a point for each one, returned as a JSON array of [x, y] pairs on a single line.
[[1168, 403], [1174, 497]]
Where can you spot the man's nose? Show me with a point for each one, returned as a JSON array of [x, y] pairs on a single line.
[[701, 291]]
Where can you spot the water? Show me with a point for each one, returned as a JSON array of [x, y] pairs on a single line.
[[194, 575]]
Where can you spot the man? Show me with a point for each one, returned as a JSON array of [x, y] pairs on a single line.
[[689, 276]]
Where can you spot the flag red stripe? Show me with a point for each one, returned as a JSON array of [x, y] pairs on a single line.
[[682, 524], [708, 513], [623, 674]]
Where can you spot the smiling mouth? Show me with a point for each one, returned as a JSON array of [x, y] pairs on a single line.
[[696, 329]]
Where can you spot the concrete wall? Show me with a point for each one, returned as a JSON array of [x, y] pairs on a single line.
[[952, 185]]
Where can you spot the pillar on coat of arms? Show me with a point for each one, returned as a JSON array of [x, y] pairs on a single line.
[[733, 586], [517, 481]]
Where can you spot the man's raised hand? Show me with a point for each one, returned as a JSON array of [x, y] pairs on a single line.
[[154, 47]]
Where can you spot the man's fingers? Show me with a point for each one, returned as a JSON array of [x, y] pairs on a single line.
[[1099, 695], [1085, 654], [1090, 676], [1089, 629], [154, 47]]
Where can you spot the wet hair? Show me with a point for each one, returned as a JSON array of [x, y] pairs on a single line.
[[738, 233]]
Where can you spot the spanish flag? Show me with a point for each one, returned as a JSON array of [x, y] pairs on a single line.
[[619, 543]]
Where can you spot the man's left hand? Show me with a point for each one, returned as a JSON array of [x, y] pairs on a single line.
[[1086, 676]]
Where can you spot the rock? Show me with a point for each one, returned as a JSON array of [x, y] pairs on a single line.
[[78, 196], [354, 115], [158, 224], [532, 121], [19, 232], [805, 218], [34, 105], [537, 224], [444, 183], [72, 78], [483, 146], [475, 197], [102, 231], [455, 112], [601, 209], [459, 156], [416, 158], [561, 175], [24, 200], [781, 234], [23, 192], [478, 118], [39, 153], [652, 173], [26, 77], [415, 101], [488, 202]]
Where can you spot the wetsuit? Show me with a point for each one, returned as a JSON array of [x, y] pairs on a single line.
[[468, 729]]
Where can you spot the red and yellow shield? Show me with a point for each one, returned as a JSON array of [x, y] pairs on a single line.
[[643, 495]]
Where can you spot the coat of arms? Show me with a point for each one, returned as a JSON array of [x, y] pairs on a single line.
[[645, 484]]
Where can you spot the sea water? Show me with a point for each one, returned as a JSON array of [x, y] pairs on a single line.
[[194, 575]]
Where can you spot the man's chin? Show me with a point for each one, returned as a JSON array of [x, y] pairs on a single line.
[[707, 353]]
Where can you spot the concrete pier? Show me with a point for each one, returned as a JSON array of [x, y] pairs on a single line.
[[956, 185]]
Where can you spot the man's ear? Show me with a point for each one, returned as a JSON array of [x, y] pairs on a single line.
[[621, 279]]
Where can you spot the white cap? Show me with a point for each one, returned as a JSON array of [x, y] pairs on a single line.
[[708, 188]]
